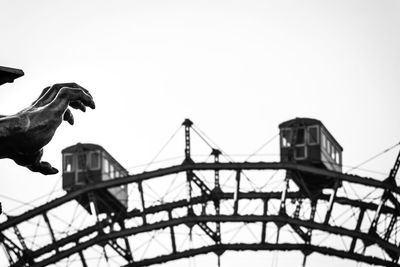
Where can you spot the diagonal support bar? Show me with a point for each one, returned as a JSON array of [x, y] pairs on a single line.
[[390, 227], [11, 248], [123, 252], [213, 235], [205, 190]]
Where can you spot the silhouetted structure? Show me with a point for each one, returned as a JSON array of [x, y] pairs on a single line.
[[161, 207], [307, 141], [8, 75], [85, 164]]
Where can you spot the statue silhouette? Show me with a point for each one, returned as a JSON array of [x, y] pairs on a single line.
[[23, 135]]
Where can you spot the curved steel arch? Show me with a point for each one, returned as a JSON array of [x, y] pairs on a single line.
[[222, 247], [243, 218], [219, 249], [258, 246], [202, 166], [59, 249]]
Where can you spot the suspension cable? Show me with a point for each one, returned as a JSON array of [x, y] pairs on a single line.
[[163, 147], [374, 157], [263, 146]]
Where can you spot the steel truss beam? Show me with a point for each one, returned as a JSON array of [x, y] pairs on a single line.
[[198, 200], [235, 166], [277, 219], [74, 238], [262, 247], [189, 166]]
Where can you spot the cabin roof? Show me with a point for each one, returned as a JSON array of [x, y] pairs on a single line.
[[300, 122], [79, 147], [308, 122]]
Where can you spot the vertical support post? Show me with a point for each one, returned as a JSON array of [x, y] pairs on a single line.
[[298, 208], [216, 153], [189, 174], [264, 224], [172, 233], [95, 211], [105, 253], [46, 219], [188, 124], [358, 225], [304, 261], [93, 205], [395, 168], [282, 206], [203, 208], [313, 210], [312, 215], [140, 187], [237, 192], [82, 257], [331, 202]]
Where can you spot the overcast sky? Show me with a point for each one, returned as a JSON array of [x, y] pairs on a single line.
[[236, 68]]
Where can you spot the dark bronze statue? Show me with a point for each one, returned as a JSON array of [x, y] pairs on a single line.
[[23, 135]]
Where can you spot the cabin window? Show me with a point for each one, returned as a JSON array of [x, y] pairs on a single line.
[[313, 135], [111, 171], [323, 140], [105, 166], [300, 136], [328, 146], [95, 160], [300, 152], [116, 174], [286, 137], [68, 163], [338, 157], [82, 161]]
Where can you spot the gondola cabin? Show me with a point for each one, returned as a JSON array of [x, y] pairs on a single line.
[[86, 164], [307, 141]]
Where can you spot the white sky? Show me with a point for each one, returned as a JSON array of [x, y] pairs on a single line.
[[236, 68]]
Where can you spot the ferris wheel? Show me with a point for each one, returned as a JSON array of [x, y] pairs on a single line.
[[169, 211]]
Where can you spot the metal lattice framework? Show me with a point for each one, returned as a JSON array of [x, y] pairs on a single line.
[[214, 206]]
